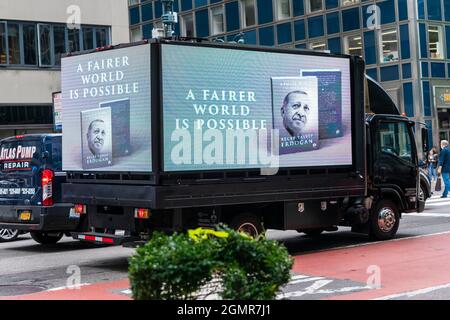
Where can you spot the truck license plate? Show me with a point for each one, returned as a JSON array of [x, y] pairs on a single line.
[[73, 214], [25, 216]]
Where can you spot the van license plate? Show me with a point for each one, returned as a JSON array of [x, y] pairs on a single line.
[[73, 214], [25, 216]]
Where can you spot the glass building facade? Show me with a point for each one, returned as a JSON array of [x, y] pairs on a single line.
[[405, 43]]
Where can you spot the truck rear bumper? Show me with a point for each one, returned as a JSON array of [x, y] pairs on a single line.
[[55, 218]]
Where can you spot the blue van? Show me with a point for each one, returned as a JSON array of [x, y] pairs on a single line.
[[30, 187]]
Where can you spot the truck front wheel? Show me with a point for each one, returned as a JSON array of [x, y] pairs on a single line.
[[247, 223], [46, 237], [384, 220]]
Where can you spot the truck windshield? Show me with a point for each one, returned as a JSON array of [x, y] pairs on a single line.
[[20, 156]]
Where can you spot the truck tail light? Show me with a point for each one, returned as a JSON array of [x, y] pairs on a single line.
[[47, 187], [80, 209], [141, 213]]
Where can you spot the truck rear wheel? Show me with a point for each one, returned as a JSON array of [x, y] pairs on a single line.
[[46, 237], [384, 220], [247, 223]]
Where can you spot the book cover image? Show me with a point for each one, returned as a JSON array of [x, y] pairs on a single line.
[[96, 138], [120, 122], [295, 113], [330, 102]]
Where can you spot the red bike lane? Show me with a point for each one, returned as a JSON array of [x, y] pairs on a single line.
[[404, 265]]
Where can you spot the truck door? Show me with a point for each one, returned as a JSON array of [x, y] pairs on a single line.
[[395, 161]]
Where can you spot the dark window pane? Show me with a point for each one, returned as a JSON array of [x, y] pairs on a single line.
[[200, 3], [408, 100], [45, 45], [447, 10], [404, 37], [421, 8], [134, 15], [201, 23], [406, 70], [372, 73], [402, 10], [299, 28], [434, 10], [147, 31], [15, 115], [102, 37], [232, 15], [266, 36], [438, 70], [59, 38], [350, 19], [315, 27], [14, 43], [299, 9], [250, 37], [425, 72], [2, 43], [426, 93], [158, 9], [147, 12], [369, 47], [334, 45], [88, 38], [330, 4], [186, 5], [265, 11], [387, 9], [74, 40], [284, 33], [333, 23], [389, 73], [29, 42]]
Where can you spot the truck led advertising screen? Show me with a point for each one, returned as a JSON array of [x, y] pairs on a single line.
[[106, 110], [241, 109]]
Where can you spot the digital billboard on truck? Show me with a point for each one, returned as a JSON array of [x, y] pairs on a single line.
[[106, 98], [242, 109]]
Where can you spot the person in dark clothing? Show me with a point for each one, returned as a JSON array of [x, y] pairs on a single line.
[[444, 166], [432, 161]]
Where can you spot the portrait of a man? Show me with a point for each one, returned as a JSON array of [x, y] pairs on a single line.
[[295, 112], [96, 136]]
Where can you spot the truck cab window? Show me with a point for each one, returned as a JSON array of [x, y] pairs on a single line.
[[394, 140]]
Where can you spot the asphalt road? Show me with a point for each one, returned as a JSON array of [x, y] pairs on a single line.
[[27, 268]]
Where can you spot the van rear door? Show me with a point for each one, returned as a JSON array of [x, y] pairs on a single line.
[[21, 164]]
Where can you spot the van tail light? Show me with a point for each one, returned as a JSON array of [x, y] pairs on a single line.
[[47, 187]]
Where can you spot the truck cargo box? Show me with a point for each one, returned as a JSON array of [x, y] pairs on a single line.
[[194, 124]]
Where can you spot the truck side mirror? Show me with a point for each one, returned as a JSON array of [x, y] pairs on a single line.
[[425, 142]]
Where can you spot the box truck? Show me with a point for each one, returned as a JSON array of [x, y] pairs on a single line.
[[170, 135]]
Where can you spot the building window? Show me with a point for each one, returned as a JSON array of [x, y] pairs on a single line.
[[217, 17], [187, 25], [248, 13], [318, 45], [102, 37], [136, 34], [13, 43], [283, 9], [133, 2], [389, 46], [435, 42], [348, 2], [353, 45], [315, 5], [59, 42], [88, 38], [29, 43], [74, 40], [45, 48], [3, 57]]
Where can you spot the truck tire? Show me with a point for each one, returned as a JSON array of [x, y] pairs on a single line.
[[384, 220], [46, 237], [247, 223], [8, 235]]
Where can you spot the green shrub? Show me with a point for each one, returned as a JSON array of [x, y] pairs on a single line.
[[178, 266]]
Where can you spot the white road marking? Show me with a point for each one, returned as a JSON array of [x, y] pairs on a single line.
[[410, 294], [440, 204], [127, 292], [312, 289], [75, 287], [428, 214], [305, 280]]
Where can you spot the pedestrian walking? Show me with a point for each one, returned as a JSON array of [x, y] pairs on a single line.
[[444, 167], [432, 162]]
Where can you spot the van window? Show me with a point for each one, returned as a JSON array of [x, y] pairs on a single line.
[[55, 155], [20, 156]]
